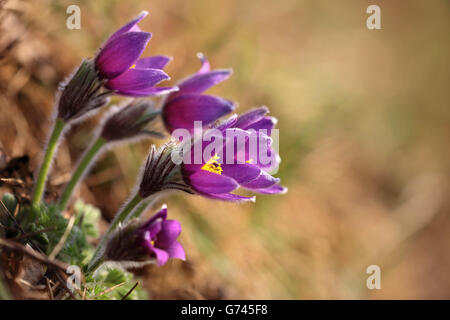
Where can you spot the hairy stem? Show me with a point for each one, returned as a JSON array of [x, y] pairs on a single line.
[[84, 164], [138, 210], [46, 162], [120, 217]]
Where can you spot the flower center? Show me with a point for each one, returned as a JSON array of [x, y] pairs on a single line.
[[212, 165]]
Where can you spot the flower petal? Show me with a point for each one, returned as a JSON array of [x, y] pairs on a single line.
[[229, 197], [208, 182], [246, 119], [256, 150], [263, 181], [154, 229], [130, 26], [242, 173], [265, 123], [227, 123], [182, 111], [171, 229], [161, 215], [176, 251], [161, 256], [275, 189], [205, 67], [154, 62], [153, 91], [121, 53], [273, 164], [199, 83], [135, 80]]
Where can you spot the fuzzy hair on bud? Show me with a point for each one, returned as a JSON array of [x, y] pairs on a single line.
[[155, 239], [130, 121], [124, 244], [161, 173], [81, 93]]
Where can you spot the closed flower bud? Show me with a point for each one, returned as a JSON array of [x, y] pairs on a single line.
[[81, 93], [161, 173], [130, 122]]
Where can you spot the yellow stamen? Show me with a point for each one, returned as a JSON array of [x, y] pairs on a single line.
[[249, 161], [212, 165], [133, 66]]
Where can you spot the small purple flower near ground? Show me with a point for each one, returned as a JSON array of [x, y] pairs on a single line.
[[159, 236], [189, 104], [155, 239], [119, 64]]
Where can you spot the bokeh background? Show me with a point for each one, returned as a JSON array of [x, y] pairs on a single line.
[[364, 138]]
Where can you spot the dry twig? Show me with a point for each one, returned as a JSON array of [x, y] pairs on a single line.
[[130, 291]]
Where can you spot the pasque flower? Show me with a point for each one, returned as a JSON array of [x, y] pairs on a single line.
[[156, 239], [159, 173], [116, 68], [235, 164], [77, 96], [119, 65], [189, 104], [257, 119]]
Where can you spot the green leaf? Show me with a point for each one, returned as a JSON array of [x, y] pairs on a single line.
[[88, 217]]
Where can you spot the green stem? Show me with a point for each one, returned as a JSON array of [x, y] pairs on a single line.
[[46, 163], [139, 210], [4, 293], [80, 171], [120, 217]]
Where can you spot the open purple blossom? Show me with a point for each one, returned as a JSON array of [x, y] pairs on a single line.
[[189, 104], [234, 164], [118, 63], [156, 239], [257, 119], [159, 236]]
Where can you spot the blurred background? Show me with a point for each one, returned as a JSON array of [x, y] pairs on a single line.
[[364, 135]]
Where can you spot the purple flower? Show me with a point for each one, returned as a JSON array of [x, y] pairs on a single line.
[[119, 64], [155, 239], [159, 236], [257, 119], [187, 105], [243, 159]]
